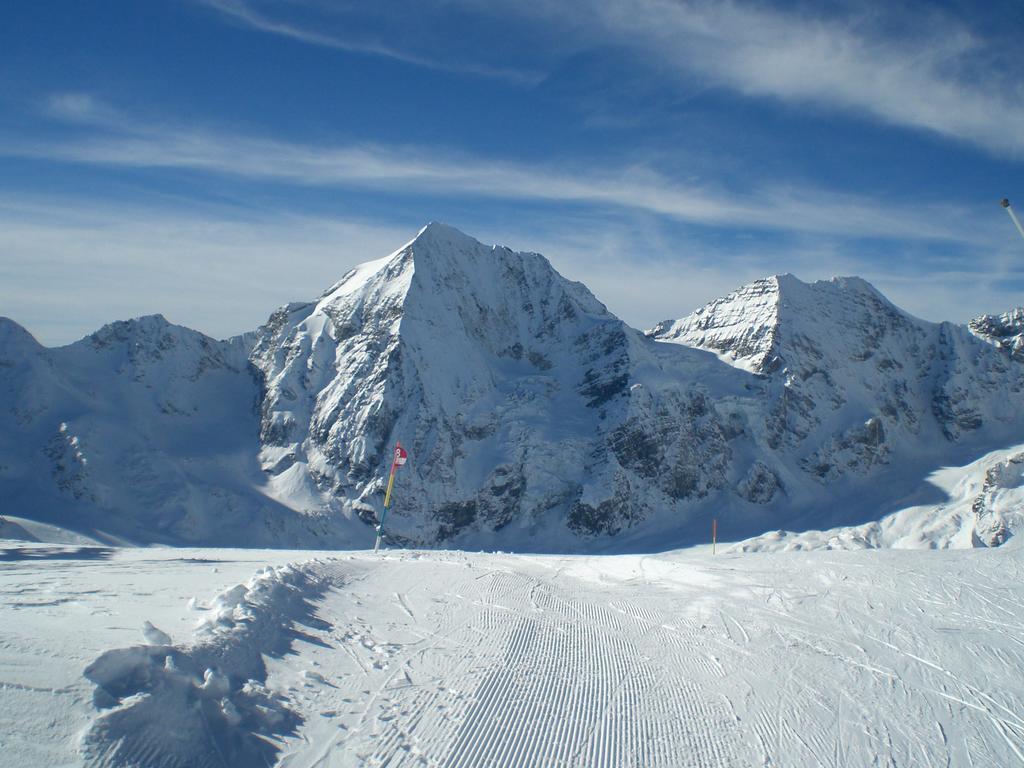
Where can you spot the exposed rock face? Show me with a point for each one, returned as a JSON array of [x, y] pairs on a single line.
[[1005, 331], [760, 485], [534, 418]]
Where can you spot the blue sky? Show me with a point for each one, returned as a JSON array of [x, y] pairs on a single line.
[[213, 159]]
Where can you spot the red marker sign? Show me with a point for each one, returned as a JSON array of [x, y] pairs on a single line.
[[400, 456]]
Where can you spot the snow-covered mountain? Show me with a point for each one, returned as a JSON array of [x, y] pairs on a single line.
[[852, 375], [534, 418], [529, 409], [143, 432]]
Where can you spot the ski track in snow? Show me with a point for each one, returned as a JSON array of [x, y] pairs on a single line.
[[453, 660], [649, 661], [518, 670]]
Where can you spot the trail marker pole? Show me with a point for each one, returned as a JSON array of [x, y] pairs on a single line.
[[1006, 204], [714, 534], [399, 459]]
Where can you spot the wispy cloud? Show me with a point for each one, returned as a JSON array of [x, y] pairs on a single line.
[[67, 265], [646, 274], [248, 14], [934, 75], [82, 109], [909, 66], [130, 143]]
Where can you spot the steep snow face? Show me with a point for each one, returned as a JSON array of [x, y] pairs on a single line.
[[143, 431], [742, 327], [527, 406], [853, 380]]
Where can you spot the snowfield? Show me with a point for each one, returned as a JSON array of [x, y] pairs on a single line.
[[412, 658]]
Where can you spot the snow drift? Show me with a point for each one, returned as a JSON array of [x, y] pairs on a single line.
[[205, 703]]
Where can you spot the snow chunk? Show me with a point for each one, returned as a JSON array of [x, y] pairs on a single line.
[[155, 636]]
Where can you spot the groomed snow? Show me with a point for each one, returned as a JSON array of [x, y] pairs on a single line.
[[469, 659]]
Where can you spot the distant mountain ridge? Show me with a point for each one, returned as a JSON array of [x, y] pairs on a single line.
[[535, 419]]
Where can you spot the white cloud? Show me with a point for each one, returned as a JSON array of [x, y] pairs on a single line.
[[909, 66], [928, 77], [127, 142], [246, 13], [67, 266]]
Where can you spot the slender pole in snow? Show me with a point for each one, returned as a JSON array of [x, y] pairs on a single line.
[[1006, 204], [387, 502], [399, 459], [714, 534]]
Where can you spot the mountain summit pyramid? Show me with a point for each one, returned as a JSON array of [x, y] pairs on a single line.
[[506, 381], [534, 418]]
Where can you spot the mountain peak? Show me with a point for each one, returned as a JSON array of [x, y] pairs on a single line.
[[146, 326], [438, 239], [439, 247], [438, 253], [443, 274], [786, 281], [753, 326], [789, 286], [15, 337], [436, 231], [740, 326]]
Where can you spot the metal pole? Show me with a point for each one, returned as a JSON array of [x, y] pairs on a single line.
[[1006, 204], [714, 534]]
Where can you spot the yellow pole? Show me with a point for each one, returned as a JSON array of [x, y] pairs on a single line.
[[391, 483]]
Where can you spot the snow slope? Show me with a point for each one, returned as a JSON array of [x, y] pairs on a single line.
[[460, 659], [984, 507], [62, 607]]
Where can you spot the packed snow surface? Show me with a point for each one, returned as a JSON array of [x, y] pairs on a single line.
[[447, 658]]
